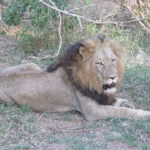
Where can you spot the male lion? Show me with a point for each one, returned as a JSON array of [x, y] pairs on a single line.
[[85, 78]]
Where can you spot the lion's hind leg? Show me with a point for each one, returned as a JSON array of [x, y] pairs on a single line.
[[20, 68], [5, 98]]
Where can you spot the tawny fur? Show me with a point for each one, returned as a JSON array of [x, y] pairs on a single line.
[[77, 80]]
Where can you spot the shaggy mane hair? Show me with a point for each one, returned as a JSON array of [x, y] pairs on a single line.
[[82, 75]]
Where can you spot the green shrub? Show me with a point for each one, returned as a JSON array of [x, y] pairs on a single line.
[[13, 13], [39, 14]]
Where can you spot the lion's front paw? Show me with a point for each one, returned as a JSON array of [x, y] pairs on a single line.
[[127, 104], [123, 103]]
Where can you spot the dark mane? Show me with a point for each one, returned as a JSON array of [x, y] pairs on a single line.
[[68, 60]]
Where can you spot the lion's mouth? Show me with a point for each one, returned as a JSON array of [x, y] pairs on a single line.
[[109, 86]]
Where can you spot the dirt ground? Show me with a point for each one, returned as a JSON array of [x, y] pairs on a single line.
[[62, 131]]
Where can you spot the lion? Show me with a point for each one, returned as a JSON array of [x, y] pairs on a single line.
[[85, 78]]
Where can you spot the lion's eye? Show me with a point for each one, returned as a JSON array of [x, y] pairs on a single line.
[[113, 60], [100, 63]]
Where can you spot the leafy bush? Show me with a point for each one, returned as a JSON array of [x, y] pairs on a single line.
[[39, 14], [42, 26], [12, 14]]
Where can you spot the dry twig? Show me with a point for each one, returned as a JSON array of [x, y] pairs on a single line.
[[59, 30]]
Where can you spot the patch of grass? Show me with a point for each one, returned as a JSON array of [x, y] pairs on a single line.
[[34, 43], [52, 139], [85, 142], [2, 60], [17, 62], [18, 123], [111, 137], [130, 137], [94, 124], [25, 108], [143, 125], [2, 33], [76, 141], [136, 82], [23, 147], [145, 147], [129, 132], [78, 145]]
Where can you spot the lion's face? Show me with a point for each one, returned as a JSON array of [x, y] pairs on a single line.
[[101, 67], [105, 64]]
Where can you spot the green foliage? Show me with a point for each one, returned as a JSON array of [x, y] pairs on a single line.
[[88, 2], [12, 14], [42, 26], [39, 14], [1, 32], [145, 147], [70, 23]]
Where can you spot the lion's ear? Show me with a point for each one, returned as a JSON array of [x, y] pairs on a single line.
[[82, 50], [87, 49], [89, 44]]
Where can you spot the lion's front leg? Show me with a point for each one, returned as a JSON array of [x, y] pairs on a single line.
[[123, 103], [93, 111]]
